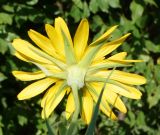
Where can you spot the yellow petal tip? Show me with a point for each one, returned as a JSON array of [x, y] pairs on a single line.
[[47, 26], [128, 34], [20, 97], [115, 26]]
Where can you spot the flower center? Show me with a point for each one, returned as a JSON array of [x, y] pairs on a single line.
[[76, 76]]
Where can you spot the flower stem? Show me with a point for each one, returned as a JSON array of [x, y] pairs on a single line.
[[76, 101]]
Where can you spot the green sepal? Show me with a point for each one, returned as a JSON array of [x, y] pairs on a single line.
[[69, 53], [59, 63], [103, 66], [99, 79], [87, 59], [48, 73]]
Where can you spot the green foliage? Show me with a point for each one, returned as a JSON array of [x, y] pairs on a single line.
[[139, 17]]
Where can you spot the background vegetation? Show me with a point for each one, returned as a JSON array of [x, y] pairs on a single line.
[[140, 17]]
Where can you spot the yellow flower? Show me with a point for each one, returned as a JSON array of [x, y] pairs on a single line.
[[76, 69]]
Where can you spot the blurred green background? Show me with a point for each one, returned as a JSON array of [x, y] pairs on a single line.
[[140, 17]]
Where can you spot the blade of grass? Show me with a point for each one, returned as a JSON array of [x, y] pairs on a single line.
[[90, 129]]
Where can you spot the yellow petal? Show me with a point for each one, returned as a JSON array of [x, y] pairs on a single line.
[[23, 47], [124, 77], [20, 56], [115, 100], [56, 40], [119, 40], [35, 88], [109, 63], [119, 56], [35, 61], [110, 96], [105, 108], [110, 46], [124, 90], [124, 61], [87, 106], [121, 89], [52, 67], [43, 42], [101, 60], [81, 38], [50, 93], [60, 26], [109, 113], [128, 78], [106, 64], [70, 106], [105, 35], [52, 100], [28, 76]]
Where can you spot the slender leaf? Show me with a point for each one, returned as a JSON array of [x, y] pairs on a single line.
[[90, 129]]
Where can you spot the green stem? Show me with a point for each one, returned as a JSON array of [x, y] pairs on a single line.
[[76, 101]]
